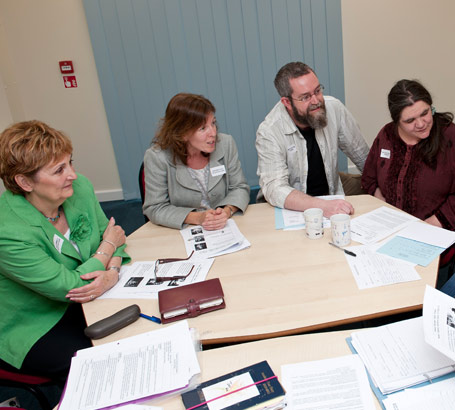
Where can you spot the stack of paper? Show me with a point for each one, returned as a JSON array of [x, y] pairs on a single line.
[[440, 396], [208, 244], [398, 357], [139, 367]]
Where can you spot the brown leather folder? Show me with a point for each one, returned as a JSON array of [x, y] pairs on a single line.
[[191, 300]]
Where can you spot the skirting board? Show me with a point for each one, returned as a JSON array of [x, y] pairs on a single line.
[[109, 195]]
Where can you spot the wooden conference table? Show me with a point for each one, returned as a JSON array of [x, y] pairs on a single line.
[[283, 284], [277, 351]]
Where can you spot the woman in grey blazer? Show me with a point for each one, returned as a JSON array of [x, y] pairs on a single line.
[[192, 173]]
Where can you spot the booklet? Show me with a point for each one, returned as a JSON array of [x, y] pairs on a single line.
[[439, 321], [254, 386]]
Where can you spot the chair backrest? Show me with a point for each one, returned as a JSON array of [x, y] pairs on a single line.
[[27, 382], [142, 186], [23, 378], [142, 182]]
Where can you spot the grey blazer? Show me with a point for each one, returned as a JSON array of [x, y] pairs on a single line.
[[171, 194]]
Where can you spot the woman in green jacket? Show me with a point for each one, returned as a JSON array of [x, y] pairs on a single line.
[[57, 250]]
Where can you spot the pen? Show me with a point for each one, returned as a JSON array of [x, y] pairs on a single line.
[[344, 250], [152, 318]]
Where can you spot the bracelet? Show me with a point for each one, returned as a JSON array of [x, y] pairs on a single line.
[[115, 268], [101, 253], [110, 243]]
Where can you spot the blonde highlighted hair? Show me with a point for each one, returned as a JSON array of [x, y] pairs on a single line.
[[26, 147]]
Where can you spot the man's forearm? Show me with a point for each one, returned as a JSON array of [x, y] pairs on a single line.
[[298, 201]]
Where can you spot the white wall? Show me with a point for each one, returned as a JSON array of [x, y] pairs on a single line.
[[34, 37], [383, 40], [387, 40]]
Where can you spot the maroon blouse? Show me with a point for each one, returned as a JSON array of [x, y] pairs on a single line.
[[406, 182]]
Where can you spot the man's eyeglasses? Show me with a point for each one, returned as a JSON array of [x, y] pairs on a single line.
[[307, 97], [160, 262]]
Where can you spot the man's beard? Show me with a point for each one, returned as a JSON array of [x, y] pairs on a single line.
[[315, 121]]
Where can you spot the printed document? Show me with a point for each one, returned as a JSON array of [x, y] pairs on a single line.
[[397, 356], [378, 224], [371, 269], [338, 383], [130, 369], [439, 321], [208, 244], [138, 280], [436, 396], [418, 243]]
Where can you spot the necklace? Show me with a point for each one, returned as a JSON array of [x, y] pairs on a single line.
[[55, 218]]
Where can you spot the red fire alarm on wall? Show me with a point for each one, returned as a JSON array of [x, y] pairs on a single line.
[[66, 67], [70, 81]]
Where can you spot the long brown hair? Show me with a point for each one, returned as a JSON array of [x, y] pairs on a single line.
[[406, 93], [185, 113]]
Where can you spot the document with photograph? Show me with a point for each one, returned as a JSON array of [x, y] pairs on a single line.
[[208, 244], [338, 383], [378, 224], [439, 321], [143, 280]]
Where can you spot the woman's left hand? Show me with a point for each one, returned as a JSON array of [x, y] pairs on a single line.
[[102, 281]]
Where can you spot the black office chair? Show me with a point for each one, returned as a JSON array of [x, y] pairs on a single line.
[[29, 383], [142, 186], [447, 259]]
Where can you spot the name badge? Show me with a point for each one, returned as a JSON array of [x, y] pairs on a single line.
[[385, 153], [216, 171], [58, 243], [292, 149]]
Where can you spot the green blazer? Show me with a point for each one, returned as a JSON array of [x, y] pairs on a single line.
[[38, 265]]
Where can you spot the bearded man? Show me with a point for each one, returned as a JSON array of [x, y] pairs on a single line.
[[297, 144]]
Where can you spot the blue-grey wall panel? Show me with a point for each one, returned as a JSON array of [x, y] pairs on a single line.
[[146, 51]]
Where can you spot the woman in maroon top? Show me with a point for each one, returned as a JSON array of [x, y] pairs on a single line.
[[411, 163]]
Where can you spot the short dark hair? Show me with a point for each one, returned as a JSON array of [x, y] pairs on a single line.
[[406, 93], [185, 113], [287, 72]]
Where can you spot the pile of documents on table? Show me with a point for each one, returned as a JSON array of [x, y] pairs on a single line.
[[409, 242], [141, 367], [413, 353]]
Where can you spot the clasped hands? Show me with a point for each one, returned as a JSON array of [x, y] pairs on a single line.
[[214, 219]]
